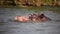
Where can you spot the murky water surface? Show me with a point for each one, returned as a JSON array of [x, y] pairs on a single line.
[[8, 26]]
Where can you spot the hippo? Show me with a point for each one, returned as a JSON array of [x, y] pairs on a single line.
[[31, 17], [21, 18]]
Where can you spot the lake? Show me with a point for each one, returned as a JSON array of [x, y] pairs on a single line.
[[9, 26]]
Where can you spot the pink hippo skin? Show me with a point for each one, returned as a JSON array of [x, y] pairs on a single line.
[[43, 19], [25, 19], [21, 18]]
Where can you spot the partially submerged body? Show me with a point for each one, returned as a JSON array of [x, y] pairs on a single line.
[[21, 18], [31, 17]]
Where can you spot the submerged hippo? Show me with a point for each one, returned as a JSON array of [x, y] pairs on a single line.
[[21, 18], [31, 17], [42, 17]]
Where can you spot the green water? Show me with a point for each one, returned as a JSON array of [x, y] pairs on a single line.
[[55, 9], [43, 8]]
